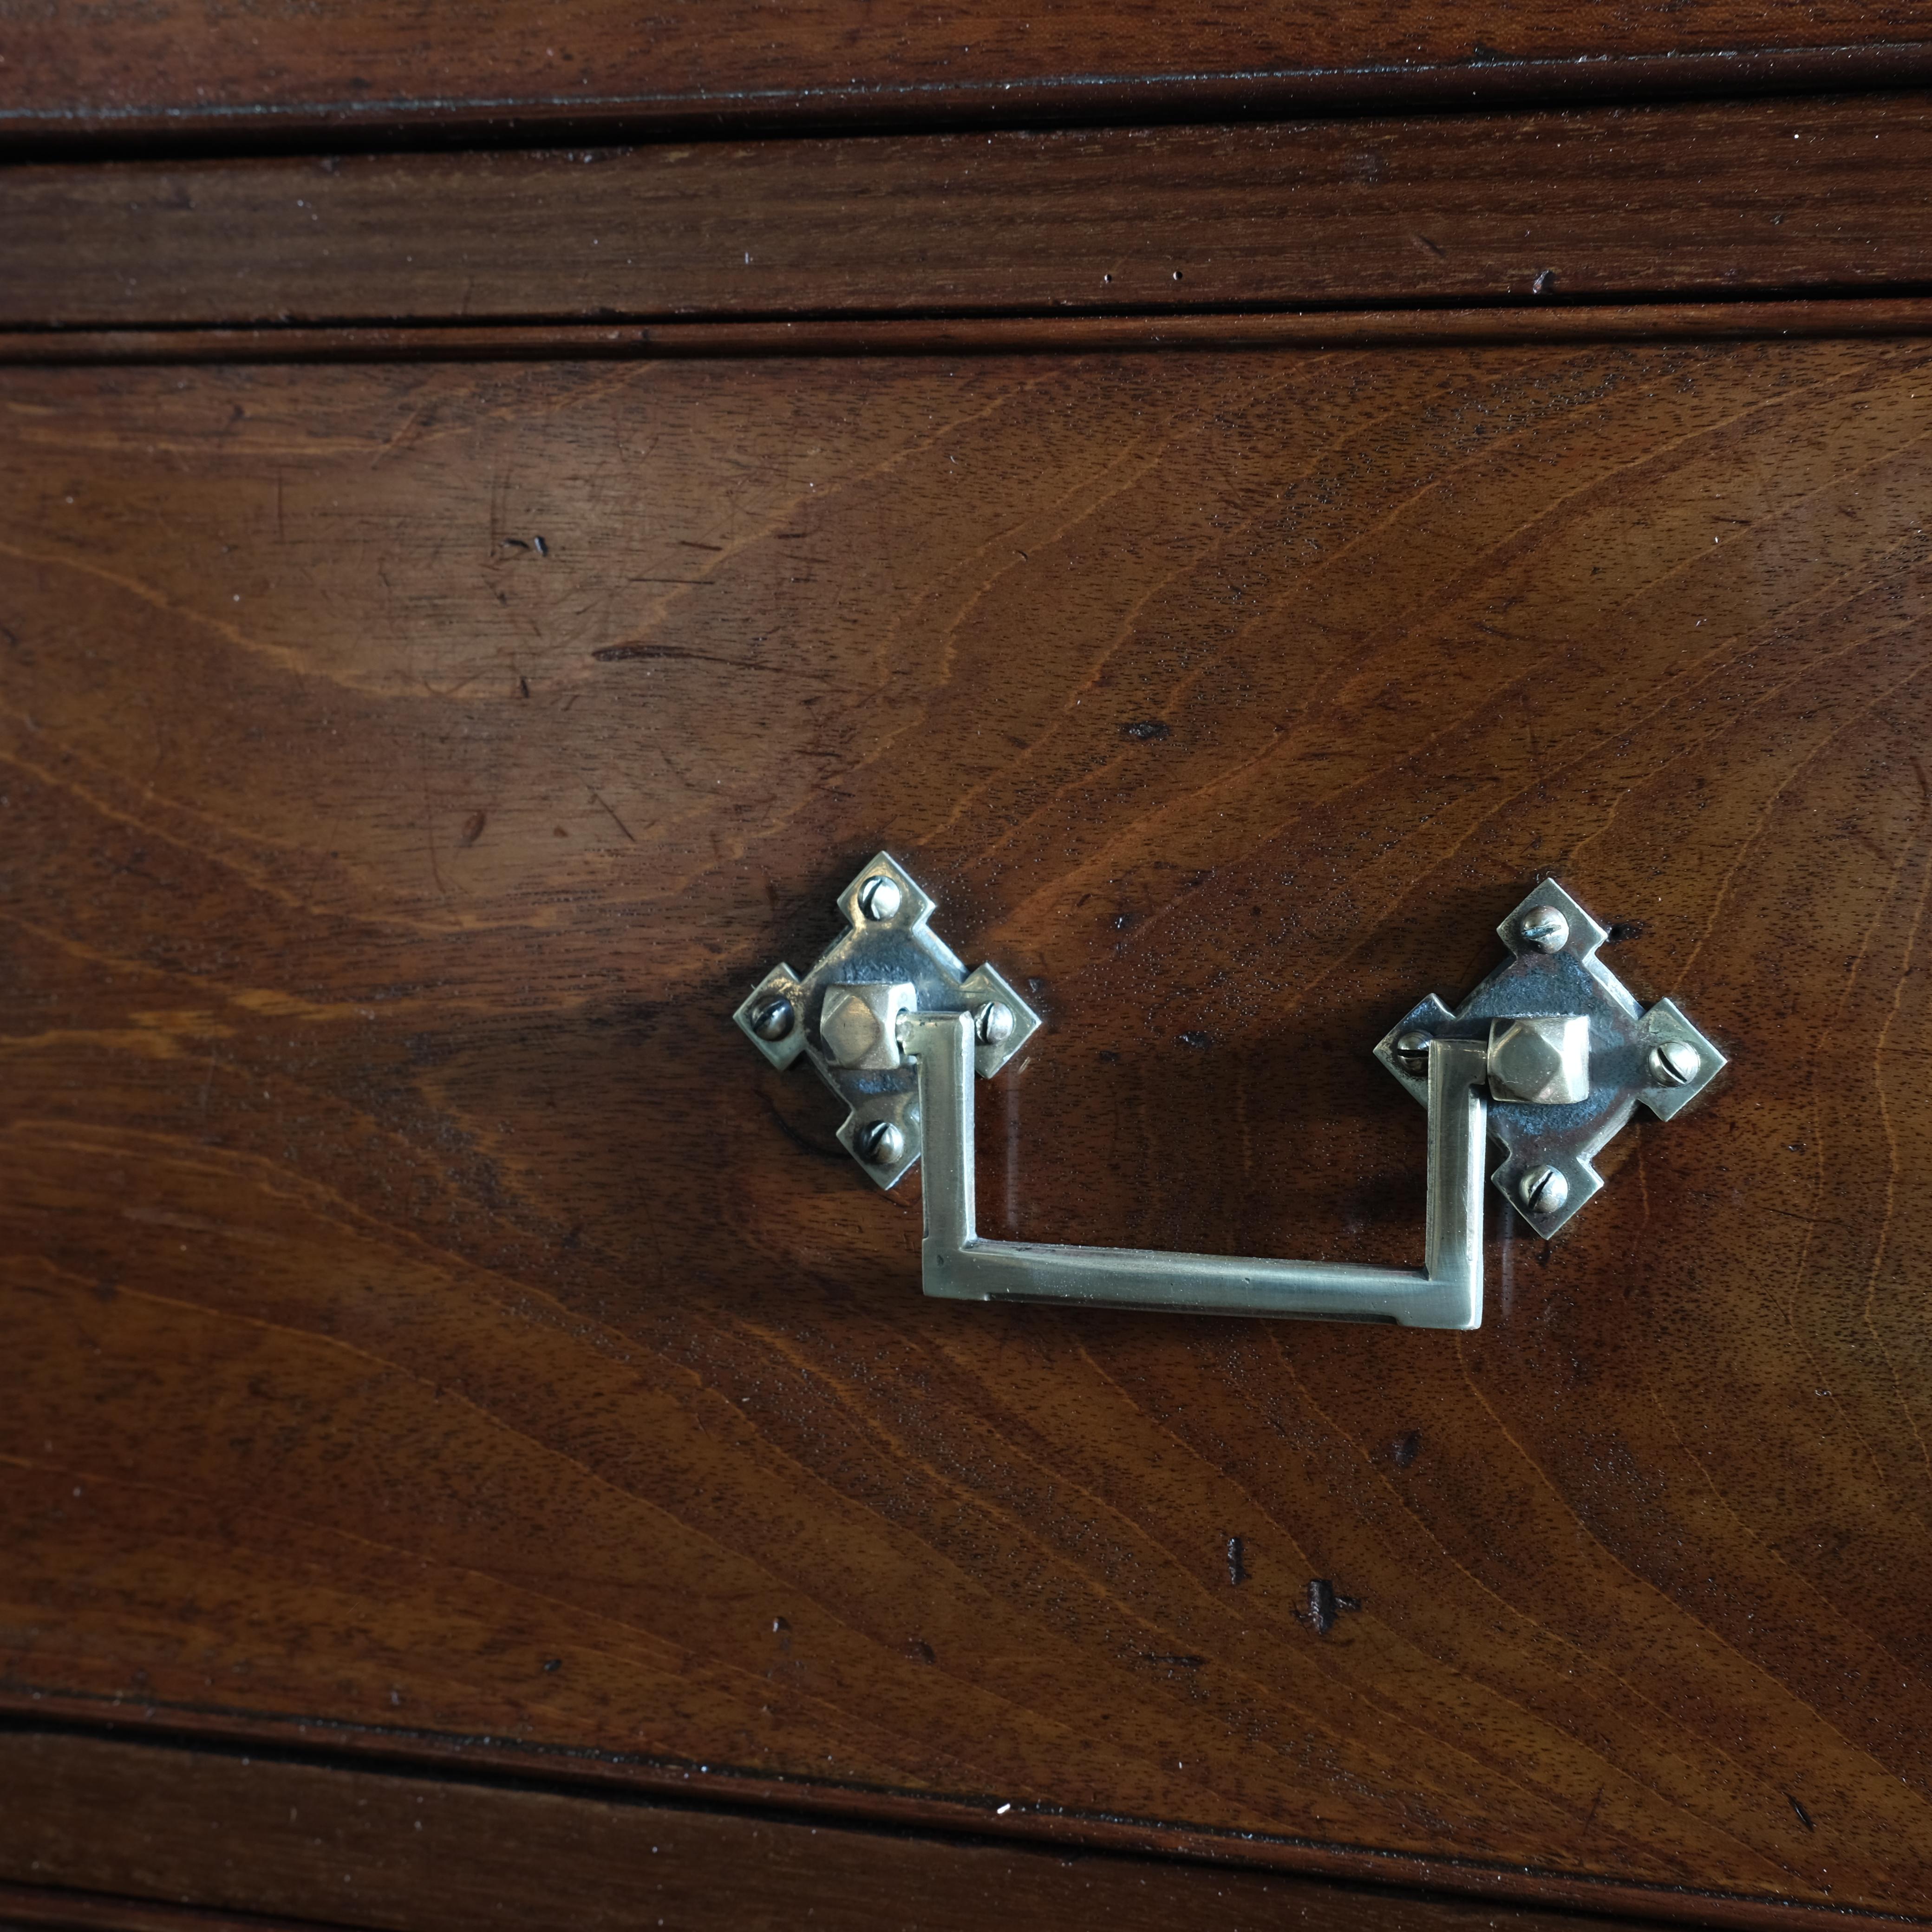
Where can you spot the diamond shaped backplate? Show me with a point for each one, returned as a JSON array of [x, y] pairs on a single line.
[[1569, 980], [899, 948]]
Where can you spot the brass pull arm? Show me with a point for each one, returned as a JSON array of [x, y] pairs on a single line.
[[961, 1265]]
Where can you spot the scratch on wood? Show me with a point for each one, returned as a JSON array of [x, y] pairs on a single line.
[[599, 799], [631, 653], [429, 833]]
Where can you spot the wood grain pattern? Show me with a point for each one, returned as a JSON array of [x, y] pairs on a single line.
[[1731, 199], [302, 1841], [165, 69], [425, 1312]]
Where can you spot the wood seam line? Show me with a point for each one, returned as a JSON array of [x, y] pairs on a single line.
[[79, 131], [999, 335]]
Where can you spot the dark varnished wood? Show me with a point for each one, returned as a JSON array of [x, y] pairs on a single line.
[[1732, 199], [59, 1909], [979, 335], [425, 1313], [240, 1833], [169, 70]]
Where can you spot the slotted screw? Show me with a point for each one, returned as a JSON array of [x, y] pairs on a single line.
[[880, 1143], [1674, 1063], [995, 1023], [1543, 1190], [1412, 1050], [879, 897], [1545, 929], [775, 1018]]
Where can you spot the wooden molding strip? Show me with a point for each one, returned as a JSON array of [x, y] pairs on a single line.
[[1314, 329], [55, 1909], [367, 70], [1743, 200], [280, 1841], [51, 1736]]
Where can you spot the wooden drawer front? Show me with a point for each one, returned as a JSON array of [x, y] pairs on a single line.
[[426, 1315]]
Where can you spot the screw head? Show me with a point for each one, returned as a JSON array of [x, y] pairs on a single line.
[[1411, 1048], [879, 897], [995, 1023], [1543, 1190], [880, 1143], [1675, 1062], [775, 1018], [1544, 928]]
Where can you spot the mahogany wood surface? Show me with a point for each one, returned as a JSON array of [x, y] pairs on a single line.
[[1730, 199], [170, 70], [301, 1841], [426, 1315]]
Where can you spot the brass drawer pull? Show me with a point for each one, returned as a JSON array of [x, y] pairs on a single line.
[[1549, 1055]]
